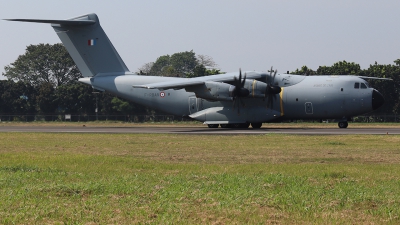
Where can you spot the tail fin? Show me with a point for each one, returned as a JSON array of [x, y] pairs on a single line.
[[88, 45]]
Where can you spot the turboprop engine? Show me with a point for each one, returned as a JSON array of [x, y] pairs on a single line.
[[213, 91]]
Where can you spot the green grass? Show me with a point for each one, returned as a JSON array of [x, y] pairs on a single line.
[[181, 179]]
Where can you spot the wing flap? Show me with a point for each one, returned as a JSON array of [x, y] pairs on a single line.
[[179, 84]]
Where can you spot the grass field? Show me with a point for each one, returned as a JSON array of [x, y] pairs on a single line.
[[70, 178]]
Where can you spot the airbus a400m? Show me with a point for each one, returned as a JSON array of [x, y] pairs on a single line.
[[227, 100]]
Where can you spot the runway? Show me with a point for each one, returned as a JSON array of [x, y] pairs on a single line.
[[198, 130]]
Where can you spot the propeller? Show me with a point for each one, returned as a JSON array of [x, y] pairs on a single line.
[[272, 88], [239, 90]]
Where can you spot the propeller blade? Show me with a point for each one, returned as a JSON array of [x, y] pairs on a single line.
[[239, 90], [272, 88], [273, 78], [243, 81]]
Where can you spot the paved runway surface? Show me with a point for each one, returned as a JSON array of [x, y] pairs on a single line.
[[197, 130]]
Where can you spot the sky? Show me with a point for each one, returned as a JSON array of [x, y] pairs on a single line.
[[251, 35]]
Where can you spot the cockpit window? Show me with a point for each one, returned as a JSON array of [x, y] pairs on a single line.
[[363, 86], [356, 85], [366, 84]]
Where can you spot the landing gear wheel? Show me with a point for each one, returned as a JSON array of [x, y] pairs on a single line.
[[212, 125], [256, 125], [240, 125], [343, 124], [245, 125], [235, 125], [225, 126]]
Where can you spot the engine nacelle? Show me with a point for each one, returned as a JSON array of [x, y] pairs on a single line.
[[256, 88], [213, 91]]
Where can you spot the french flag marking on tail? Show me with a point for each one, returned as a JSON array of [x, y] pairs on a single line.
[[92, 42]]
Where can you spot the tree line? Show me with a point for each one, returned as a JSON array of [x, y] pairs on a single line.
[[44, 81]]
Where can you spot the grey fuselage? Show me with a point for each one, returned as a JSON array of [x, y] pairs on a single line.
[[302, 97]]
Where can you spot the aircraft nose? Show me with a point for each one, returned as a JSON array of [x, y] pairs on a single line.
[[377, 99]]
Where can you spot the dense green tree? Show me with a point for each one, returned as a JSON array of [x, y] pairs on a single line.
[[340, 68], [184, 63], [121, 105], [17, 97], [43, 63], [105, 103], [181, 64], [45, 99], [75, 98], [304, 71], [159, 66], [201, 70]]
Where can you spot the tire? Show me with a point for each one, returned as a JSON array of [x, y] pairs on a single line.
[[256, 125], [343, 124], [225, 126], [245, 125], [240, 125], [235, 125], [212, 125]]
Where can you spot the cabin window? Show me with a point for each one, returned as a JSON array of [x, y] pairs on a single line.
[[357, 85], [363, 86]]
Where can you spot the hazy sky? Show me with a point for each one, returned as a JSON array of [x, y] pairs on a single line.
[[252, 35]]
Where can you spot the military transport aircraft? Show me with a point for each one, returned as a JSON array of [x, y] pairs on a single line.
[[227, 100]]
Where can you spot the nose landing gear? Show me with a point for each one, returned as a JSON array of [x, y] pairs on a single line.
[[343, 124]]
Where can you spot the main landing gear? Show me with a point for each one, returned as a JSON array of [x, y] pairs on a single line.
[[343, 124], [236, 125]]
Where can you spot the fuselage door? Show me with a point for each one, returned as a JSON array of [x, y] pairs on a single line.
[[309, 108], [193, 105]]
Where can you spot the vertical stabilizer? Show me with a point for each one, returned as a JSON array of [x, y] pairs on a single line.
[[88, 45]]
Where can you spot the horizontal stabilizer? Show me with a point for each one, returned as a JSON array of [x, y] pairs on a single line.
[[61, 22]]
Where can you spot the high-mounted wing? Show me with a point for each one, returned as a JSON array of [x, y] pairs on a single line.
[[189, 82], [374, 78]]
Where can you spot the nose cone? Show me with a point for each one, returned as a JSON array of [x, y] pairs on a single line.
[[377, 99]]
